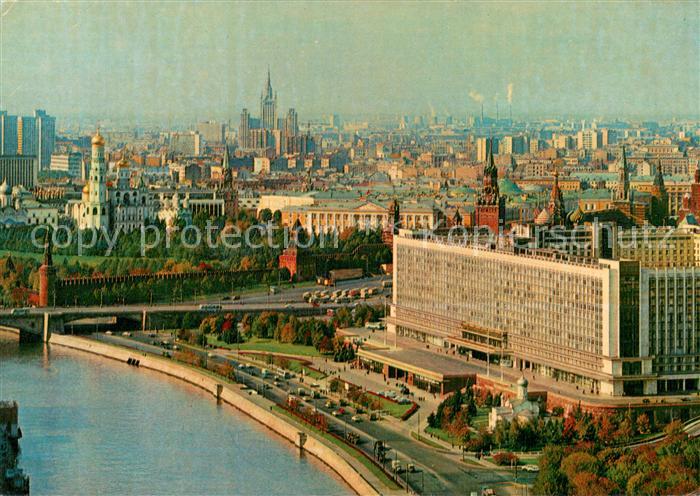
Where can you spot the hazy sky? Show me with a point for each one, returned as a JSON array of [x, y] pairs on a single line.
[[178, 61]]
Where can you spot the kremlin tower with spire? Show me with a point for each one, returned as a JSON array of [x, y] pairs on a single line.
[[490, 209]]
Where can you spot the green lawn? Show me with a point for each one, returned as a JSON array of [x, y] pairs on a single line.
[[440, 434], [394, 409], [529, 460], [481, 418], [267, 346], [378, 472], [297, 367], [270, 346], [522, 459]]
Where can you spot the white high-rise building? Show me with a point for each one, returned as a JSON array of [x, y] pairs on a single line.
[[45, 137], [612, 327]]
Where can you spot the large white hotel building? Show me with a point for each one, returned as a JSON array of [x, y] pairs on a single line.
[[610, 326]]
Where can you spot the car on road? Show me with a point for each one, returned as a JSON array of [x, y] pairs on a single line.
[[531, 468], [338, 412], [209, 355], [356, 418], [108, 333], [329, 404], [126, 334]]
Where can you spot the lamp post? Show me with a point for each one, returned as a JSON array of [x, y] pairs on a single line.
[[386, 297]]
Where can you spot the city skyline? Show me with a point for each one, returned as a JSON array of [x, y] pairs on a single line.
[[180, 62]]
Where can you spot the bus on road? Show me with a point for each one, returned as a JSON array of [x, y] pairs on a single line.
[[210, 307]]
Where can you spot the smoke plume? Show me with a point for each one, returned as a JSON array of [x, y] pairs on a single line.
[[477, 97]]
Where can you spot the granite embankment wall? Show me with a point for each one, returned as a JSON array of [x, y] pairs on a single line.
[[313, 446]]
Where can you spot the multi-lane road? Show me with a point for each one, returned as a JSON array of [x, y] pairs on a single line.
[[289, 299]]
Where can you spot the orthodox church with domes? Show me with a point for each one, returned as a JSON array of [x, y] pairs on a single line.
[[18, 209], [119, 207]]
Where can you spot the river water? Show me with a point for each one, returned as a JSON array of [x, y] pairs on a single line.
[[94, 426]]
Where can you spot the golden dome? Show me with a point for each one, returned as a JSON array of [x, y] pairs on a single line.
[[123, 162], [86, 188], [98, 139]]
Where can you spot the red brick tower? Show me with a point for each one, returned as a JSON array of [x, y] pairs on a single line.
[[691, 201], [47, 276], [490, 210], [695, 194]]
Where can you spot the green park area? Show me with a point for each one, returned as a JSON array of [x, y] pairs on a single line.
[[442, 435], [481, 419], [298, 367], [529, 459], [393, 408]]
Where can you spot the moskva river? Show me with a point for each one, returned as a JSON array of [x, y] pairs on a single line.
[[94, 426]]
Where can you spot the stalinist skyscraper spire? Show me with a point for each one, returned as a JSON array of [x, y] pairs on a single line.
[[268, 105]]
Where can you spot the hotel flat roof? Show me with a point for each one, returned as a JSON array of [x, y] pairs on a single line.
[[423, 363]]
